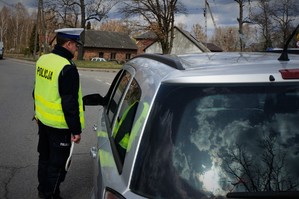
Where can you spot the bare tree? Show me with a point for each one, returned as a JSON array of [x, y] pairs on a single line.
[[115, 26], [198, 33], [99, 9], [15, 27], [262, 17], [182, 26], [21, 14], [159, 16], [3, 22], [76, 13], [270, 174], [275, 19], [241, 20], [283, 13], [93, 10], [226, 38], [64, 12]]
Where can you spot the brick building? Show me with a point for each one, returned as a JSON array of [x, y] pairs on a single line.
[[109, 45], [144, 40]]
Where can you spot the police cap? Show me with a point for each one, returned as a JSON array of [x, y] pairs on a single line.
[[70, 33]]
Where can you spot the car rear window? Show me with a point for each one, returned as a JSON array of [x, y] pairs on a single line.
[[208, 141]]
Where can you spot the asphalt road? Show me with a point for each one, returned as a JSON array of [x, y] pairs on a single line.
[[18, 134]]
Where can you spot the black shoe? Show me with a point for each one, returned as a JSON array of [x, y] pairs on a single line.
[[41, 195], [57, 196]]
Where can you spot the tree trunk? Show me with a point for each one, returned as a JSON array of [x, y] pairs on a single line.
[[83, 21], [240, 20]]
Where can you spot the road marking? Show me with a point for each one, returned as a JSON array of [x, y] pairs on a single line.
[[99, 80]]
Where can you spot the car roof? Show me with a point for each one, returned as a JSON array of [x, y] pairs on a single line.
[[151, 71], [216, 67]]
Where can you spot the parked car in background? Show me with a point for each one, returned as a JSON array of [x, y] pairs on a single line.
[[1, 50], [98, 59], [211, 125]]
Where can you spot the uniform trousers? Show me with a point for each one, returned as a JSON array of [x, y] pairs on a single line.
[[54, 148]]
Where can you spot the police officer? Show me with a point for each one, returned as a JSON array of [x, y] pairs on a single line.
[[58, 110]]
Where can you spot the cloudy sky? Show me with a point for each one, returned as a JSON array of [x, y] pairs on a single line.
[[225, 12]]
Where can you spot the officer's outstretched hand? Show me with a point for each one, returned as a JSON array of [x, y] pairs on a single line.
[[76, 138]]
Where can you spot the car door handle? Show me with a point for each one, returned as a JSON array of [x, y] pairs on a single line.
[[95, 127], [93, 152]]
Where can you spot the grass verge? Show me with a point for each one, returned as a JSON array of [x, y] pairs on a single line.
[[79, 63], [98, 65]]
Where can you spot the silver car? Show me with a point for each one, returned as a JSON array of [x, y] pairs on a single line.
[[215, 125]]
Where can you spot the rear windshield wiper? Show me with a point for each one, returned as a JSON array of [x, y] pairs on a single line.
[[264, 195]]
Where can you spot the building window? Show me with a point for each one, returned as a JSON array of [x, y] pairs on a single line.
[[101, 54], [113, 56], [128, 56]]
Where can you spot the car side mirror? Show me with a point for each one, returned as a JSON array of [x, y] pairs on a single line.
[[93, 100]]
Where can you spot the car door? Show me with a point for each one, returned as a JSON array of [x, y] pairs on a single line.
[[115, 125]]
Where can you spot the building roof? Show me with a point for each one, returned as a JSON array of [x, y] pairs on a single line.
[[147, 35], [197, 43], [105, 39], [212, 47]]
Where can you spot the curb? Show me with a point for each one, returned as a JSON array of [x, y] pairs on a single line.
[[79, 68]]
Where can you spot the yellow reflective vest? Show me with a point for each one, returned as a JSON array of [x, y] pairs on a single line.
[[48, 108], [129, 137]]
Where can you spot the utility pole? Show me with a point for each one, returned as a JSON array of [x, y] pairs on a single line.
[[36, 30], [43, 26], [1, 34], [207, 7], [206, 22], [83, 22]]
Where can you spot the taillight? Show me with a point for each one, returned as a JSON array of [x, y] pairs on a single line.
[[289, 73], [111, 194]]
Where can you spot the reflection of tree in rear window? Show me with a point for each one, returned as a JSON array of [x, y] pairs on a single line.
[[207, 141], [229, 143]]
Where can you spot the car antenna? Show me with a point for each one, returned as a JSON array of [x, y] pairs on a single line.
[[284, 55]]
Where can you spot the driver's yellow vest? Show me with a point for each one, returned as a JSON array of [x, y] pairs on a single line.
[[48, 107]]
